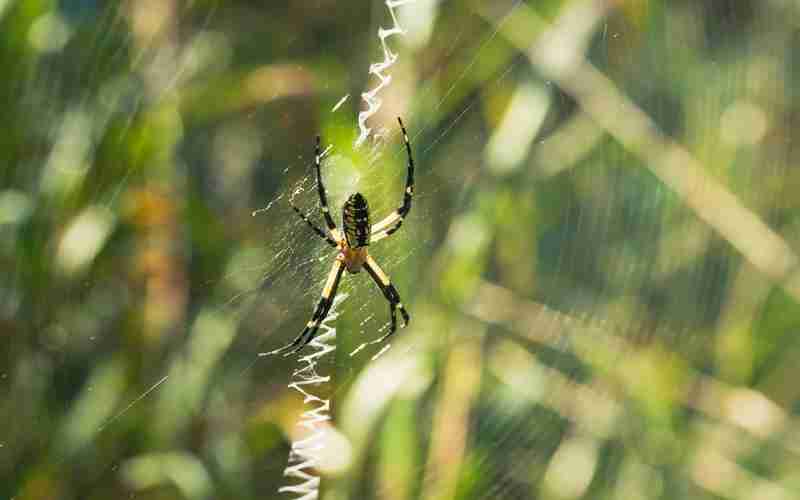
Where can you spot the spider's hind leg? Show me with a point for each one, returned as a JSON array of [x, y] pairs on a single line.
[[394, 220], [323, 199]]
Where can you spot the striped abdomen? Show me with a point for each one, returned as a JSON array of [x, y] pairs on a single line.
[[355, 219]]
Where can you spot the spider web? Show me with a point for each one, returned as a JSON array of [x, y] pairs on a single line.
[[570, 322], [634, 351]]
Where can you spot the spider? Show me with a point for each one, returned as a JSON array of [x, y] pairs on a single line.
[[353, 242]]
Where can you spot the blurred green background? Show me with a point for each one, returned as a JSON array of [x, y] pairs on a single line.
[[600, 261]]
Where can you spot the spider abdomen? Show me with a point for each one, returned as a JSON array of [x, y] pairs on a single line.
[[355, 219]]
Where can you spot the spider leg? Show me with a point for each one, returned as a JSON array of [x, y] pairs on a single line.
[[320, 312], [393, 221], [390, 292], [317, 230], [382, 234], [323, 199]]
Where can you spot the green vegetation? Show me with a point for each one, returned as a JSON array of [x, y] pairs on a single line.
[[601, 263]]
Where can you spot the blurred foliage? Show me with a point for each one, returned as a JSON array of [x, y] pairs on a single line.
[[599, 262]]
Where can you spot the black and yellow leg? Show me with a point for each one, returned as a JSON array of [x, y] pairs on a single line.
[[390, 292], [317, 230], [393, 221], [320, 312], [323, 199]]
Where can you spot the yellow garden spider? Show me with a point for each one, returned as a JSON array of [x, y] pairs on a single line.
[[353, 242]]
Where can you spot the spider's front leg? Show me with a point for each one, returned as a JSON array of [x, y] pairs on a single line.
[[320, 312], [390, 292]]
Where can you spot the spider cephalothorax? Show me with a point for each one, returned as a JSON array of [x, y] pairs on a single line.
[[353, 243]]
